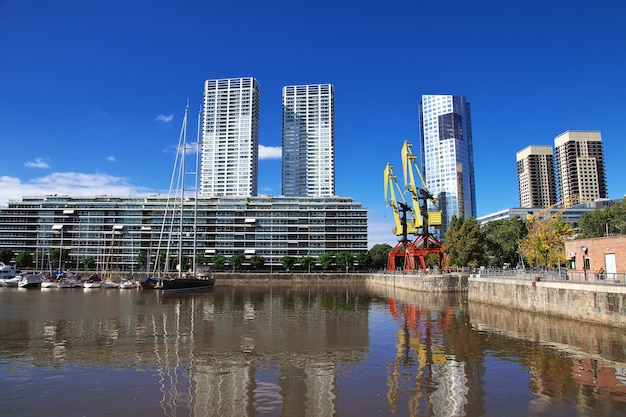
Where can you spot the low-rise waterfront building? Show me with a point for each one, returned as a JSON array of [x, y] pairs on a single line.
[[115, 230], [597, 259], [570, 214]]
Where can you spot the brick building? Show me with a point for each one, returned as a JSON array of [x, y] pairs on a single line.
[[597, 258]]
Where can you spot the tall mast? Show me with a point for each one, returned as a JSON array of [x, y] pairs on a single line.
[[195, 207], [182, 193]]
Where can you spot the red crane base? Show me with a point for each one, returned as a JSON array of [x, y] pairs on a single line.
[[410, 255]]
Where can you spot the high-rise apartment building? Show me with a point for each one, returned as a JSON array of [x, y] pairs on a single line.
[[230, 137], [447, 153], [580, 165], [308, 141], [535, 176]]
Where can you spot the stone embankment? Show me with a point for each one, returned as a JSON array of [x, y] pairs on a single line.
[[588, 302], [593, 303]]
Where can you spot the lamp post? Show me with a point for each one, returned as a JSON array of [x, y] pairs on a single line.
[[584, 251]]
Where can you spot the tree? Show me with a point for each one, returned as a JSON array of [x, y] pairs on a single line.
[[161, 260], [364, 260], [545, 243], [288, 262], [185, 263], [142, 256], [326, 260], [464, 242], [257, 262], [345, 260], [6, 255], [200, 259], [218, 261], [431, 260], [236, 261], [24, 259], [502, 239], [307, 262], [379, 254], [89, 262], [597, 223], [57, 254]]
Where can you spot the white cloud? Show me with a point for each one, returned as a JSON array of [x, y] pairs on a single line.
[[163, 118], [270, 152], [190, 149], [37, 163], [66, 183], [379, 232], [111, 158]]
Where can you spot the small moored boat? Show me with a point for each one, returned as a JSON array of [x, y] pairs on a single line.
[[149, 283], [30, 281], [94, 281], [128, 284], [110, 284], [11, 282], [49, 283]]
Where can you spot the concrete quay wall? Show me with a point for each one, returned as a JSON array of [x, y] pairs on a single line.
[[422, 282], [415, 282], [592, 303]]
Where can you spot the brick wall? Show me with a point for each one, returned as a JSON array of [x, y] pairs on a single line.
[[596, 249]]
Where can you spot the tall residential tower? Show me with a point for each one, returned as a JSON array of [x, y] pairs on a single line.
[[308, 141], [580, 165], [535, 176], [230, 137], [447, 152]]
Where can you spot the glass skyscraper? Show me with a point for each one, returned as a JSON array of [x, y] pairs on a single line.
[[230, 137], [308, 141], [447, 155]]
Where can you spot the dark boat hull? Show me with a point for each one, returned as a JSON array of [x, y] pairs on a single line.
[[185, 284], [31, 285], [149, 283]]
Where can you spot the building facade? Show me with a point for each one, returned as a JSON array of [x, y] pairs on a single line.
[[535, 176], [230, 138], [308, 141], [580, 165], [115, 230], [597, 259], [447, 152]]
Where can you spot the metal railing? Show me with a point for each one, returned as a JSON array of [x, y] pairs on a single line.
[[562, 275]]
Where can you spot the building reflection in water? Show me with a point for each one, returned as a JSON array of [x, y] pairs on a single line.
[[294, 349], [248, 351], [587, 362], [424, 370]]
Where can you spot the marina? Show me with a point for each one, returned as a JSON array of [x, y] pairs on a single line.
[[278, 347]]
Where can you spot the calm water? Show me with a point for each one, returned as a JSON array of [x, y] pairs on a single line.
[[293, 349]]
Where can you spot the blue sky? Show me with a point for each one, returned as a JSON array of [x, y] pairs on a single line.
[[92, 93]]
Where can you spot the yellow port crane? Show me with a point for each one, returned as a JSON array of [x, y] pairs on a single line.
[[412, 219]]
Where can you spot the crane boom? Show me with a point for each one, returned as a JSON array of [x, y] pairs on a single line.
[[425, 218], [404, 225]]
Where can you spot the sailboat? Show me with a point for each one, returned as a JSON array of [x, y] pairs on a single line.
[[175, 202]]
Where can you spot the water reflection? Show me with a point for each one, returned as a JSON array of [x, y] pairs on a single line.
[[298, 349]]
